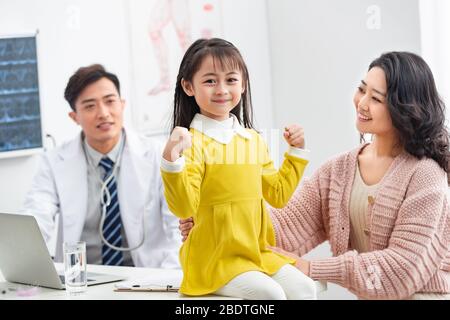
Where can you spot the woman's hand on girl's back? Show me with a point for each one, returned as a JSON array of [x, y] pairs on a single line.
[[185, 227]]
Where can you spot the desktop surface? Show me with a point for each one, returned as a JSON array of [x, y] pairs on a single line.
[[98, 292]]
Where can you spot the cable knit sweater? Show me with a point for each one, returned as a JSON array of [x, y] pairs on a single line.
[[409, 227]]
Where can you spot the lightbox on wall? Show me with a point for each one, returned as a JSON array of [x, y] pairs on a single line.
[[20, 111]]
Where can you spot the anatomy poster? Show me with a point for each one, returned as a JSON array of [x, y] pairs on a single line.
[[161, 31]]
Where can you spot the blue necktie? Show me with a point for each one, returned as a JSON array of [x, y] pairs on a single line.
[[113, 225]]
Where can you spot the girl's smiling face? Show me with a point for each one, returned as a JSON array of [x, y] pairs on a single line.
[[217, 88]]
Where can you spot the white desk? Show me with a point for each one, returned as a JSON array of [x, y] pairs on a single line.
[[98, 292], [104, 291]]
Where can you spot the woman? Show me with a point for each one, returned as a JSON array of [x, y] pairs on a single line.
[[383, 206]]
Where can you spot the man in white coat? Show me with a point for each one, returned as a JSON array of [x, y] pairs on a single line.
[[105, 185]]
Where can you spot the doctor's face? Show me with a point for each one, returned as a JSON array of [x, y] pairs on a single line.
[[99, 112]]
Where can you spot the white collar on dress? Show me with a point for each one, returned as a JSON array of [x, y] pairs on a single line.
[[221, 131]]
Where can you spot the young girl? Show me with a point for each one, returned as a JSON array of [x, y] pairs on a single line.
[[220, 173]]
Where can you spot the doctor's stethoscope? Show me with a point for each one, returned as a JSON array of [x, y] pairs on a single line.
[[104, 193]]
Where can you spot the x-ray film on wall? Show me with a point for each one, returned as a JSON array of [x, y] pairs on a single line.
[[20, 113]]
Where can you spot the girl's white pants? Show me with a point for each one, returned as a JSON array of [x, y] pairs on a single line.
[[288, 283]]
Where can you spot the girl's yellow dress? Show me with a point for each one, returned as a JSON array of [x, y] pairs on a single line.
[[223, 187]]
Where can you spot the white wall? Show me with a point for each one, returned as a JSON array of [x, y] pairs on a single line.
[[435, 36], [75, 33], [320, 51]]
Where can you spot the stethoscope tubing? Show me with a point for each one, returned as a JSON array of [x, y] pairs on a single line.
[[104, 204]]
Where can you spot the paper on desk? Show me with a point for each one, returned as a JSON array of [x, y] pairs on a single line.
[[170, 278]]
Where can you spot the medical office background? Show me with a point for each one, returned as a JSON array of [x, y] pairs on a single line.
[[305, 59]]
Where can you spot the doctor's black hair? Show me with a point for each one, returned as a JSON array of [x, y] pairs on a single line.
[[85, 76]]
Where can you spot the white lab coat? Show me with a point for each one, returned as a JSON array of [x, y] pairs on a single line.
[[60, 187]]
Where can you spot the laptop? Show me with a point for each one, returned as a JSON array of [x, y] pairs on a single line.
[[24, 257]]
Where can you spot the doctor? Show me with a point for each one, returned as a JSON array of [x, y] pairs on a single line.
[[105, 184]]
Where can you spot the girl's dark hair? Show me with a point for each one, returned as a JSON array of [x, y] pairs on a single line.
[[224, 53], [417, 111]]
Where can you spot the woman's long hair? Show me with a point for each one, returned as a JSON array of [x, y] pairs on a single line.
[[417, 111]]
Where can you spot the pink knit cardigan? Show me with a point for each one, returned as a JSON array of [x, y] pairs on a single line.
[[408, 222]]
